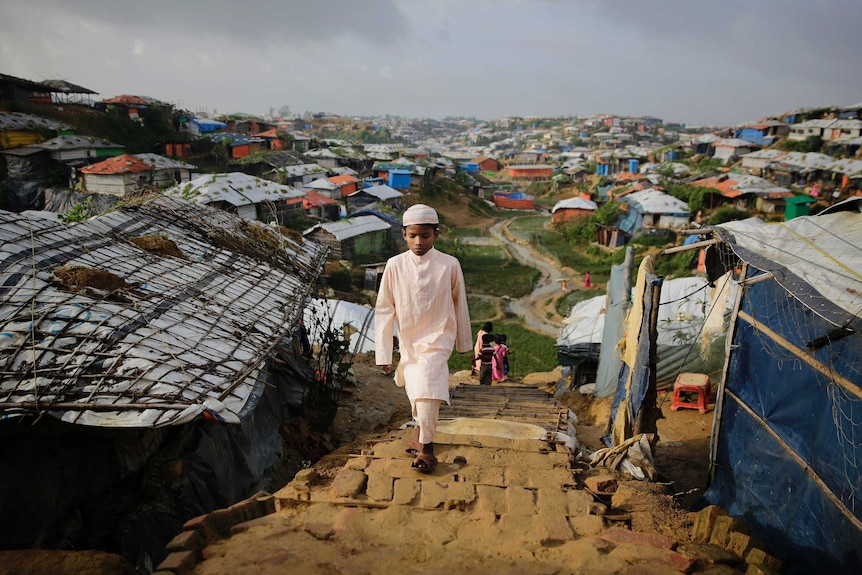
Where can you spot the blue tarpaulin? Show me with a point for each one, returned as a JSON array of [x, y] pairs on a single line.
[[787, 442]]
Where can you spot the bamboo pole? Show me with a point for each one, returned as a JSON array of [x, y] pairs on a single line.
[[801, 462], [804, 355], [719, 395], [689, 247]]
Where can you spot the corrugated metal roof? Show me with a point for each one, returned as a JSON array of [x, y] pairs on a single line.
[[164, 163], [343, 179], [656, 202], [19, 121], [575, 203], [235, 188], [67, 87], [351, 227], [77, 143], [381, 192], [302, 169], [166, 340]]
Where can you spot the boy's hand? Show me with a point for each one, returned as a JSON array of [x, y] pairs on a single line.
[[387, 369]]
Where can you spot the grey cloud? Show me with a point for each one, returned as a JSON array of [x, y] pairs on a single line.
[[261, 22]]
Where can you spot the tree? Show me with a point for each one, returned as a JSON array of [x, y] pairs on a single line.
[[284, 111]]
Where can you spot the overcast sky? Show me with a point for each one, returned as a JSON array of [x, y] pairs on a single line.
[[694, 61]]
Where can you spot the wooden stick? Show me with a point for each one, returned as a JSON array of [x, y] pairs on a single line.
[[804, 355], [719, 392], [801, 462], [689, 247]]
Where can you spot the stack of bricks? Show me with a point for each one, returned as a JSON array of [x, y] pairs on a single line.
[[184, 550], [718, 538]]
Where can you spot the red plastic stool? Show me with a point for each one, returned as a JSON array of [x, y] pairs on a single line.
[[697, 383]]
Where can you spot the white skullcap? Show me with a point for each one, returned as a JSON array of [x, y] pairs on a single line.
[[419, 214]]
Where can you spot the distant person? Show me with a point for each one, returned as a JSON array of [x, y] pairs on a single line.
[[422, 290], [504, 343], [487, 328], [587, 283], [498, 367], [564, 285], [486, 359]]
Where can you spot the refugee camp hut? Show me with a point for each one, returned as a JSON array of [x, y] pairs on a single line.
[[653, 209], [382, 195], [147, 366], [798, 168], [18, 129], [241, 194], [786, 443], [79, 150], [756, 161], [320, 206], [395, 225], [325, 187], [63, 92], [530, 173], [167, 171], [351, 236], [346, 183], [748, 192], [580, 341], [728, 150], [324, 157], [572, 209], [117, 176], [299, 175]]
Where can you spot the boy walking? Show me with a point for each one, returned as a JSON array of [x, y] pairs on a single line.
[[486, 357], [422, 291]]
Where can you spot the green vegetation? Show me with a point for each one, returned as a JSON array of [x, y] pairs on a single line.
[[809, 144], [110, 125], [727, 214], [692, 195], [491, 270], [676, 265], [467, 232], [78, 212], [481, 308]]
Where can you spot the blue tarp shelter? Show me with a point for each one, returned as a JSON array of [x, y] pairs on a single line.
[[786, 450]]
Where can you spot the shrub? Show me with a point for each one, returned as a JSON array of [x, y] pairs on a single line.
[[727, 214]]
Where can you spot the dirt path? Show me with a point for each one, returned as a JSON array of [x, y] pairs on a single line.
[[539, 308]]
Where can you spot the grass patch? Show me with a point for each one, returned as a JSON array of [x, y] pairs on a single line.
[[467, 232], [529, 351], [491, 270], [481, 309]]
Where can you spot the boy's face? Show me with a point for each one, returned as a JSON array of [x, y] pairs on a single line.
[[420, 237]]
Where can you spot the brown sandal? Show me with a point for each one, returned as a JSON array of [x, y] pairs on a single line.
[[424, 463], [414, 448]]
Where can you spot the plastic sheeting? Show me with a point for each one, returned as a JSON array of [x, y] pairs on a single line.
[[783, 424], [787, 440], [684, 344]]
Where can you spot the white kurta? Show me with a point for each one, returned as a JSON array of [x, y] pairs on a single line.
[[426, 297]]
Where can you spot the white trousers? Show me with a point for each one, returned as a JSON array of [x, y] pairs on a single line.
[[426, 413]]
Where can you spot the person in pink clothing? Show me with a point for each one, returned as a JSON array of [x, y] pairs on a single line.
[[587, 283], [422, 291], [498, 372]]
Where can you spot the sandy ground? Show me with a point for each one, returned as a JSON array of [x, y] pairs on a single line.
[[374, 407]]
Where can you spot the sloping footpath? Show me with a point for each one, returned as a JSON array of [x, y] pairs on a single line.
[[510, 495]]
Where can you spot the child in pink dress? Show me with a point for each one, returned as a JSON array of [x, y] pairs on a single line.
[[498, 372]]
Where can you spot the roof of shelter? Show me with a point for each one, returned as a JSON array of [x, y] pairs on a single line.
[[136, 337]]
